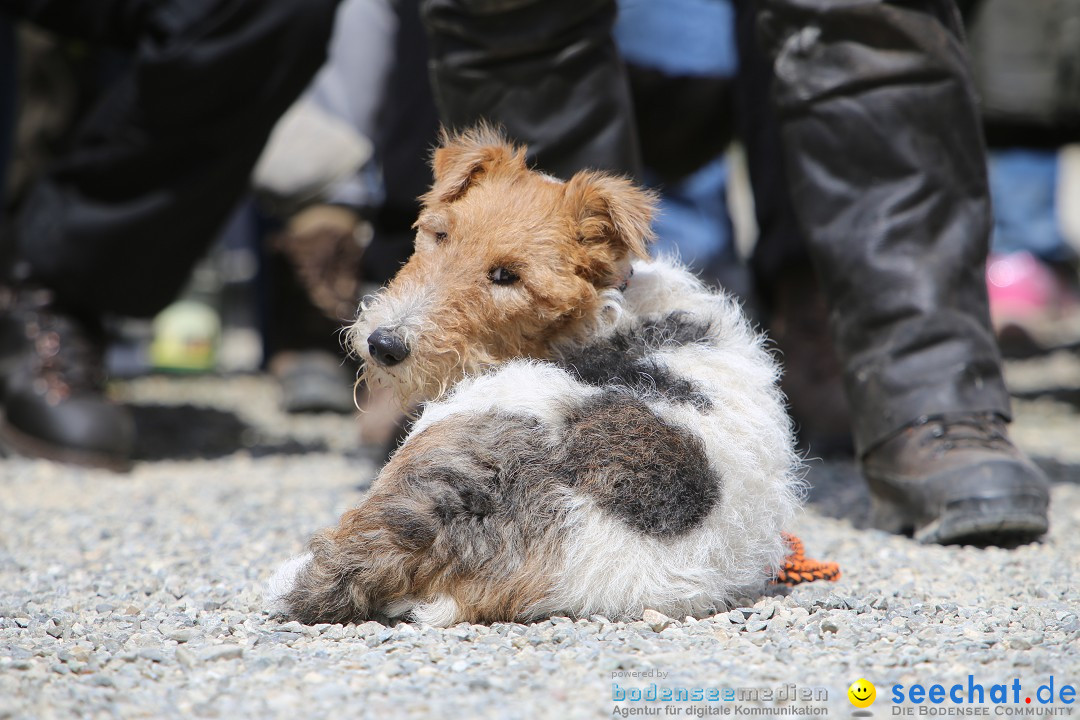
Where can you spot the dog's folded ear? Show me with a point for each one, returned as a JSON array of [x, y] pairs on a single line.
[[613, 211], [463, 157]]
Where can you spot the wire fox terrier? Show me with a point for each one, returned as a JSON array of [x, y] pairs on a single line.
[[600, 433]]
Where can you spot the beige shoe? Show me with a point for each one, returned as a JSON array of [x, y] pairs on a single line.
[[325, 244]]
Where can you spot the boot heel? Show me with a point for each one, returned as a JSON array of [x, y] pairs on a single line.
[[890, 515]]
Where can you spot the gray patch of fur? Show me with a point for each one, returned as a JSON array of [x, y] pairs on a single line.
[[626, 359], [651, 475]]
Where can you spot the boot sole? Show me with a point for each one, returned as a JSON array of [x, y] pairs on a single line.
[[1004, 521], [19, 443], [998, 521], [999, 502]]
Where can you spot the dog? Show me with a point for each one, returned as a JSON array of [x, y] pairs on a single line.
[[599, 432]]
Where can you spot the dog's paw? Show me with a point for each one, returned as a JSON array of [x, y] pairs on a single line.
[[442, 611], [283, 581]]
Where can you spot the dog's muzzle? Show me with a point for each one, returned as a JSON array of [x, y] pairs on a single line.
[[386, 348]]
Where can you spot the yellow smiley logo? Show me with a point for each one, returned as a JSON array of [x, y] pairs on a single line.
[[862, 693]]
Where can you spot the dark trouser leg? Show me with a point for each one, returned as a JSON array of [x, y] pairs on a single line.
[[546, 70], [7, 99], [406, 130], [887, 170], [886, 164], [794, 309], [153, 172], [780, 244], [117, 223]]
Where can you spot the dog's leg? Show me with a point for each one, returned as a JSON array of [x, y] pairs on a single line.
[[366, 565], [461, 525]]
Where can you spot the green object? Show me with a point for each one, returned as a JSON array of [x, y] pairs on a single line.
[[187, 335]]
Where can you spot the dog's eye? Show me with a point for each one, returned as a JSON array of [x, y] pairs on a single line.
[[502, 276], [440, 237]]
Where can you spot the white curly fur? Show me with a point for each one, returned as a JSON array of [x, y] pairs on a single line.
[[613, 570]]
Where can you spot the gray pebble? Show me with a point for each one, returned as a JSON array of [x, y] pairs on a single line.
[[185, 658], [656, 621], [181, 636], [222, 652], [152, 654]]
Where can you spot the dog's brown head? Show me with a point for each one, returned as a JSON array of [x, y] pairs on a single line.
[[508, 262]]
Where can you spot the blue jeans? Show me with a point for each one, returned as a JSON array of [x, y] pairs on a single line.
[[1023, 185], [694, 220], [686, 38]]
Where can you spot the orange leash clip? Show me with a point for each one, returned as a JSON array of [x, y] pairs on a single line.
[[798, 568]]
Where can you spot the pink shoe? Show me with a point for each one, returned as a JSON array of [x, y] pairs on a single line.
[[1031, 306]]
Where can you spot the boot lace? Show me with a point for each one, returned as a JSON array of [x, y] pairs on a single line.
[[66, 356], [981, 430]]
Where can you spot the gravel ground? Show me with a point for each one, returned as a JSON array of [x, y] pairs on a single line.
[[140, 595]]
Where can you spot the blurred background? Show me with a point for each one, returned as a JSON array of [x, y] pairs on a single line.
[[334, 193]]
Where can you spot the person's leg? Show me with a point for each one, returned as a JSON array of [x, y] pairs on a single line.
[[354, 82], [116, 224], [780, 244], [887, 172], [888, 178], [786, 287], [546, 70], [680, 58], [693, 221], [155, 170], [1031, 274], [7, 102], [1023, 183], [407, 128]]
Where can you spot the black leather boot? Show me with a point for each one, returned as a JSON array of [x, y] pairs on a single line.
[[52, 383], [957, 479]]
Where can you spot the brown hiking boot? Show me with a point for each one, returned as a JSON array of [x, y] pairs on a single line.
[[957, 479]]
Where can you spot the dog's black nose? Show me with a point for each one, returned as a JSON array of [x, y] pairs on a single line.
[[386, 348]]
